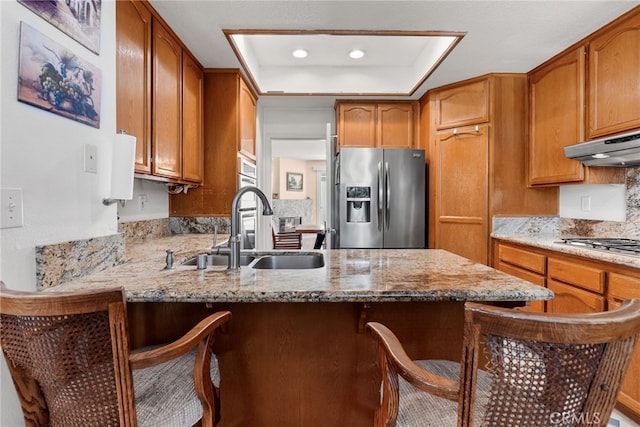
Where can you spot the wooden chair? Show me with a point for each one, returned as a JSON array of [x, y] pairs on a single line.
[[69, 358], [286, 240], [540, 370]]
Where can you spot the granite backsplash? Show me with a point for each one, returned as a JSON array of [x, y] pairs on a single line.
[[629, 229]]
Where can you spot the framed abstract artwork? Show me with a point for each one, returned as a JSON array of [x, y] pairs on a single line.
[[79, 19], [53, 78]]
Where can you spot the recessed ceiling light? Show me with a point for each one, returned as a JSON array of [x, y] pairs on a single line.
[[356, 53], [300, 53]]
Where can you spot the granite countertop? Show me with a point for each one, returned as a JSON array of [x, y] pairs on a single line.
[[349, 275], [550, 242]]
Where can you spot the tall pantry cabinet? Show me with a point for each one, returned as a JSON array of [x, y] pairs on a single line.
[[476, 159]]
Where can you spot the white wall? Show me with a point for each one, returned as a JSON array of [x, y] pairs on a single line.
[[595, 202], [150, 201], [42, 153]]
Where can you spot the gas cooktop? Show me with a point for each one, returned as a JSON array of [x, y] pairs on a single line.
[[621, 246]]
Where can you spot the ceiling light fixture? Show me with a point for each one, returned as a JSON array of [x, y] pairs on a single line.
[[356, 53], [300, 53]]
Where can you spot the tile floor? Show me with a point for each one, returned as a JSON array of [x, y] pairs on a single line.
[[619, 420]]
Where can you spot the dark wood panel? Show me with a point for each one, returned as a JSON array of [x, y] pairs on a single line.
[[304, 364]]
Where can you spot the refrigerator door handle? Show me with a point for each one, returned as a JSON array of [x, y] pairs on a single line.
[[387, 184], [380, 195]]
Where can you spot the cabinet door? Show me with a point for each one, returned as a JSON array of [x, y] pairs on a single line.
[[569, 299], [133, 77], [614, 79], [557, 119], [396, 125], [461, 192], [192, 139], [357, 125], [247, 117], [167, 111], [463, 105]]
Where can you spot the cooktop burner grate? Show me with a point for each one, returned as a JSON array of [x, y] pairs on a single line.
[[622, 246]]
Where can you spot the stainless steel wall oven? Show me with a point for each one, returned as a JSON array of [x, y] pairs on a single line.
[[248, 204]]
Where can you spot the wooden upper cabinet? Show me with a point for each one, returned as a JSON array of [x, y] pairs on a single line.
[[133, 77], [614, 79], [557, 119], [356, 125], [556, 96], [396, 125], [247, 111], [373, 124], [167, 100], [192, 130], [463, 105]]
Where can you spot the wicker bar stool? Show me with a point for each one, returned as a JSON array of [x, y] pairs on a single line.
[[69, 358], [540, 370]]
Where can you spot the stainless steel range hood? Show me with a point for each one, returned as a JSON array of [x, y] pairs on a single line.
[[615, 151]]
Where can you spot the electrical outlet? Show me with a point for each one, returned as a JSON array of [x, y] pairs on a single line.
[[142, 201], [11, 208], [585, 203], [90, 158]]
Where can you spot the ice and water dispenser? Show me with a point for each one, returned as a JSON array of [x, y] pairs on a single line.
[[358, 204]]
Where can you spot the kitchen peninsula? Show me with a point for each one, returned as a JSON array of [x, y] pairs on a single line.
[[295, 353]]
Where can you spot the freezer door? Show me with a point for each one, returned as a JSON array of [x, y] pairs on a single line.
[[360, 207], [405, 191]]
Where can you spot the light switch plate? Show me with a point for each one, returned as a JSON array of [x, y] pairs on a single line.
[[90, 158], [11, 208]]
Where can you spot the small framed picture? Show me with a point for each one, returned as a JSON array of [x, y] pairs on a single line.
[[294, 181], [55, 79]]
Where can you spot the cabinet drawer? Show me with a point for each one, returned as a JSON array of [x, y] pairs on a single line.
[[623, 287], [463, 105], [522, 274], [586, 277], [522, 258]]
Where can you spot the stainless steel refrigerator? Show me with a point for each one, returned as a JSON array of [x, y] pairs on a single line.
[[379, 198]]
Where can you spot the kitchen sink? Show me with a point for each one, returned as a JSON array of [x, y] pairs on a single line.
[[218, 260], [288, 261]]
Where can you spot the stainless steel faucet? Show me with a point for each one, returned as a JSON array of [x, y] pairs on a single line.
[[233, 251]]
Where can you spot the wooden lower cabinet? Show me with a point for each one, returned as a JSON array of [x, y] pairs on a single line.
[[622, 287], [580, 285]]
